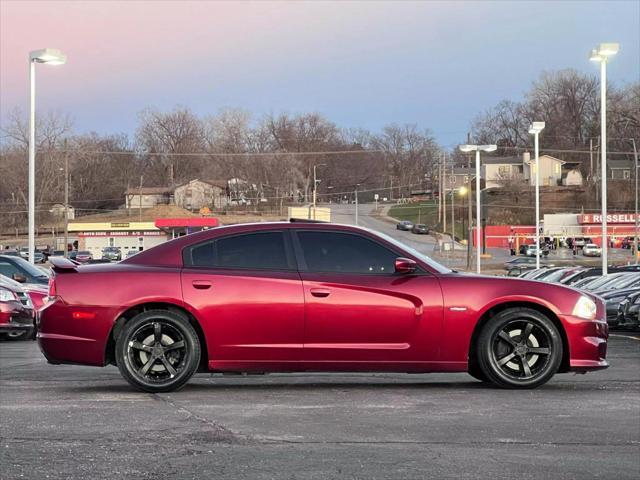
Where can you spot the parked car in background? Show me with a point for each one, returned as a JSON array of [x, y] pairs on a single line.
[[16, 311], [591, 250], [83, 256], [57, 253], [627, 242], [628, 311], [131, 253], [523, 263], [580, 241], [595, 272], [39, 257], [72, 254], [113, 254], [24, 252], [532, 251], [12, 252], [613, 299], [306, 296], [420, 229], [404, 225], [21, 271]]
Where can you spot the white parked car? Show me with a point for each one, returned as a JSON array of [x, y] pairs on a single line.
[[591, 250]]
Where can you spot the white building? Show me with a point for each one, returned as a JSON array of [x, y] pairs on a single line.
[[197, 194]]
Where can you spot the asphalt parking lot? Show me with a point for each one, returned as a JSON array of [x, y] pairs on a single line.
[[84, 422]]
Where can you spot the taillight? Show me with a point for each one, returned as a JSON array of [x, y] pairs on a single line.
[[52, 287]]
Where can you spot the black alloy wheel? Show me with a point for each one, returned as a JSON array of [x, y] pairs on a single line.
[[158, 351], [519, 348]]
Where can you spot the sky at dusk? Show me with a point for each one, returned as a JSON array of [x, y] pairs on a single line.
[[361, 64]]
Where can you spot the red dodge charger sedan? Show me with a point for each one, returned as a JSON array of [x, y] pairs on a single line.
[[304, 296]]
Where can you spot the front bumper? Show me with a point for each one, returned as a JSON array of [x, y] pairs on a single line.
[[587, 341]]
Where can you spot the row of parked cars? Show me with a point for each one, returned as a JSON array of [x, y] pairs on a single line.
[[620, 288], [23, 288], [408, 226]]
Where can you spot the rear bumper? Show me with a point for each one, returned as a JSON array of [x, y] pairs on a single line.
[[64, 339]]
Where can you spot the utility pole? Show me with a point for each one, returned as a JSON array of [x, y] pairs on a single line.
[[66, 197], [315, 191], [635, 169], [357, 184], [440, 189], [469, 206], [140, 200], [444, 194]]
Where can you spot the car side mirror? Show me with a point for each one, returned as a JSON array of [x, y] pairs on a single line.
[[405, 265], [18, 277]]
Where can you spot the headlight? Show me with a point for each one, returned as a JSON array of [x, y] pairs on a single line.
[[6, 295], [585, 308]]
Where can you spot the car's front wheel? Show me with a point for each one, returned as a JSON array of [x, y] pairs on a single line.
[[519, 348], [158, 351]]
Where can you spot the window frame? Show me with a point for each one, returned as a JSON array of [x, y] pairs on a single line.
[[302, 264], [187, 260]]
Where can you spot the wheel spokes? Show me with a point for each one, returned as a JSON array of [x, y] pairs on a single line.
[[525, 366], [157, 332], [145, 368], [526, 333], [141, 346], [506, 359], [505, 336], [540, 350], [174, 345], [168, 366]]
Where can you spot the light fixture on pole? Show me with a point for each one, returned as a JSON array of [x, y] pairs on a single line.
[[535, 129], [47, 56], [602, 54], [478, 149], [315, 187]]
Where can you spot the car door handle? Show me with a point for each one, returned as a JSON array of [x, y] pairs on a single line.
[[320, 292], [201, 284]]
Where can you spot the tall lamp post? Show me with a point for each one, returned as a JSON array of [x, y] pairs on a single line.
[[478, 149], [315, 187], [602, 54], [535, 129], [48, 56]]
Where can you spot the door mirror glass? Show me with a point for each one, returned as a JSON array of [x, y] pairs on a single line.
[[405, 265], [18, 277]]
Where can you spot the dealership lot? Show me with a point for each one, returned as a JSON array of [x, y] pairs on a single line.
[[75, 422]]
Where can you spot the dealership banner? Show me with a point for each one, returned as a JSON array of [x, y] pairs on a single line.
[[588, 218]]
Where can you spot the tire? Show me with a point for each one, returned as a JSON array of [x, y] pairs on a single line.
[[16, 336], [476, 373], [158, 351], [510, 361]]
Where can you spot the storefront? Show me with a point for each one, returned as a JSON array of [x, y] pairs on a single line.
[[136, 236]]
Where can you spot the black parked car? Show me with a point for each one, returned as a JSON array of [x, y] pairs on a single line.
[[420, 229], [613, 299], [628, 312], [405, 225], [22, 271], [596, 271]]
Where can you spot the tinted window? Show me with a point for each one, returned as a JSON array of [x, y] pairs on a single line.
[[345, 253], [252, 251]]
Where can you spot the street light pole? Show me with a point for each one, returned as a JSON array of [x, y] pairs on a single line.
[[66, 199], [357, 184], [602, 54], [535, 130], [51, 57], [477, 149], [315, 188]]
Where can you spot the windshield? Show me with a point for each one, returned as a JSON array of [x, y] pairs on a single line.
[[29, 268], [412, 251]]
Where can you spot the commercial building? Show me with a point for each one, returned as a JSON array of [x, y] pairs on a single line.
[[137, 236]]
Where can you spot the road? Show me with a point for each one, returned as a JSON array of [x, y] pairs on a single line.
[[84, 422]]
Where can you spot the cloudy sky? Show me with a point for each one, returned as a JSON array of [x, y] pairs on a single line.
[[365, 64]]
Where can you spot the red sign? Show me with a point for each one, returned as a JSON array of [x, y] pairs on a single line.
[[591, 218]]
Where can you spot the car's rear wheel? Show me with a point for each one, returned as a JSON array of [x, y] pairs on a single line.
[[158, 351], [519, 348]]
